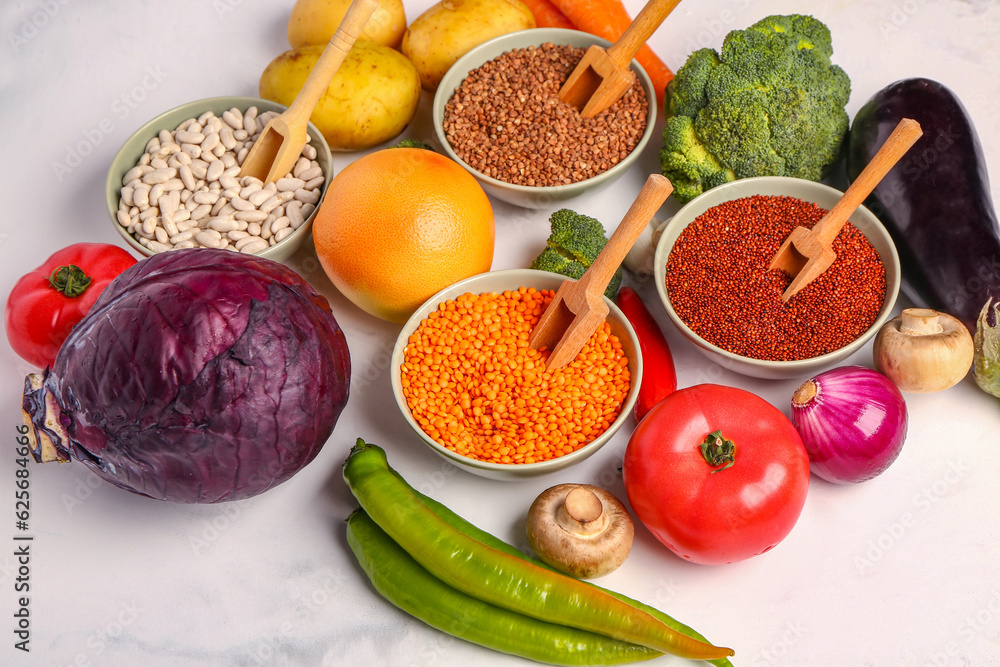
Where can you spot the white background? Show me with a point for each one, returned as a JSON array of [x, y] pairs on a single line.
[[901, 570]]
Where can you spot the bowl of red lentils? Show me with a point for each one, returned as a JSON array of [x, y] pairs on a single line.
[[479, 396], [497, 112], [712, 273]]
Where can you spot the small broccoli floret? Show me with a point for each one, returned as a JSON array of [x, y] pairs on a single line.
[[574, 242], [412, 143], [770, 104]]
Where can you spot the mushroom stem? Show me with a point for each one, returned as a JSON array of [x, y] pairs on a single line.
[[579, 529], [582, 513], [920, 322]]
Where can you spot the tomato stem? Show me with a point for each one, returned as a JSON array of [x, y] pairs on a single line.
[[718, 451], [69, 280]]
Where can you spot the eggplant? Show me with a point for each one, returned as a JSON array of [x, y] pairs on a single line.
[[936, 201]]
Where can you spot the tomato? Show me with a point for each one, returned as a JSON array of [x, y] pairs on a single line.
[[46, 303], [740, 498]]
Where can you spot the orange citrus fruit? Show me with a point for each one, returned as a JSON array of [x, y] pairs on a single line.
[[400, 224]]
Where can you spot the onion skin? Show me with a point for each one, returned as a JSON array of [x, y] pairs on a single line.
[[852, 421]]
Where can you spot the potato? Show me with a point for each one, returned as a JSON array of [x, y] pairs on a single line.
[[372, 98], [315, 21], [451, 28]]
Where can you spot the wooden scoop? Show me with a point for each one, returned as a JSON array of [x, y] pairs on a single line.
[[807, 253], [281, 141], [603, 76], [578, 307]]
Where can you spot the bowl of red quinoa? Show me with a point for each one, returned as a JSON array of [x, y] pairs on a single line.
[[478, 396], [497, 113], [712, 273]]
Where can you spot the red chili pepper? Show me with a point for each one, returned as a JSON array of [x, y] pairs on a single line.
[[46, 303], [659, 378]]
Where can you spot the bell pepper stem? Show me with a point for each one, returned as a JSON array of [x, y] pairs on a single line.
[[69, 280]]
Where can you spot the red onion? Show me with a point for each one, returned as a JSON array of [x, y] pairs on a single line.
[[852, 421]]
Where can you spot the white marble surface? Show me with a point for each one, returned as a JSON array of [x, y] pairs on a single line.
[[898, 571]]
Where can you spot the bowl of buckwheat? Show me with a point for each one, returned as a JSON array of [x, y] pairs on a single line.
[[175, 183], [497, 112]]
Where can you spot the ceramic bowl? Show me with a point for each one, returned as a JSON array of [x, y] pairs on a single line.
[[130, 152], [523, 195], [817, 193], [499, 281]]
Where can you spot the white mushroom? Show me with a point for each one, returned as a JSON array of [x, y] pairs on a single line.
[[923, 350], [580, 529]]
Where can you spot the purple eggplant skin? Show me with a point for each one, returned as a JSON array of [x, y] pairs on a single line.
[[198, 376], [935, 202]]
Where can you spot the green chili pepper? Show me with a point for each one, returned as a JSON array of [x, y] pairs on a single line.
[[404, 583], [489, 539], [500, 578]]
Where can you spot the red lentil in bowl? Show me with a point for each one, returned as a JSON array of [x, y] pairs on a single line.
[[475, 387], [572, 412], [731, 310]]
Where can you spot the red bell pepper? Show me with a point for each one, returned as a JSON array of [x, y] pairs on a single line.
[[47, 303], [659, 377]]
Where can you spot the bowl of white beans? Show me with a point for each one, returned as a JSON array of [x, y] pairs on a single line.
[[175, 183]]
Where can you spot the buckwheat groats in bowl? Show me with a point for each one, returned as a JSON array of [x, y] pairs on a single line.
[[498, 113]]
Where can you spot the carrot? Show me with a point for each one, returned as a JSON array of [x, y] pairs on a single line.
[[547, 16], [609, 19]]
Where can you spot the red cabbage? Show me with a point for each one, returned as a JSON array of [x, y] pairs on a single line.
[[198, 376]]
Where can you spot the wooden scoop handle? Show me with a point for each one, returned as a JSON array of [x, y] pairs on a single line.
[[901, 140], [640, 30], [332, 57], [602, 270]]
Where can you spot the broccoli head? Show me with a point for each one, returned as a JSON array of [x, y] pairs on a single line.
[[769, 104], [574, 242]]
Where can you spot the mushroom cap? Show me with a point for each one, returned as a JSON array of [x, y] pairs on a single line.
[[923, 350], [580, 529]]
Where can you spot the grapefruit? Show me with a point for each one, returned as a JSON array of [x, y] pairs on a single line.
[[400, 224]]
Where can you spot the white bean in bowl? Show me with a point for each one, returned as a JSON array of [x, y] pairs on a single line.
[[186, 191]]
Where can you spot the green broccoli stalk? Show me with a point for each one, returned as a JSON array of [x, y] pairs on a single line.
[[770, 104], [574, 242]]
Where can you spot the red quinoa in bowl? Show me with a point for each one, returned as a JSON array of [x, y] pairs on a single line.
[[719, 283]]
